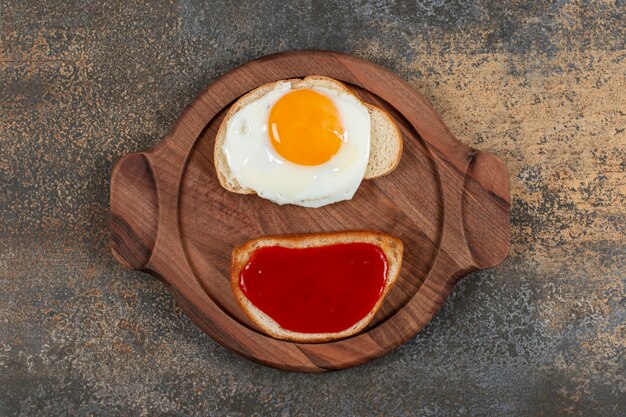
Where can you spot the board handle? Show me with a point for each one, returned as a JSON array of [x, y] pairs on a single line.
[[485, 207], [134, 211]]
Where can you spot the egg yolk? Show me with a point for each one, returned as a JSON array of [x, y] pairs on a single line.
[[305, 127]]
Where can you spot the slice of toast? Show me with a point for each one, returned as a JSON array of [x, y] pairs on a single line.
[[391, 246], [385, 138]]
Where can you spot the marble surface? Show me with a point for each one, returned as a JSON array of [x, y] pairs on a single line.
[[540, 84]]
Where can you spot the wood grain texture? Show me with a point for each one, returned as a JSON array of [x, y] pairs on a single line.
[[448, 203]]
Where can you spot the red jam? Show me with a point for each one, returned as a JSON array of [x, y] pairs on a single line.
[[323, 289]]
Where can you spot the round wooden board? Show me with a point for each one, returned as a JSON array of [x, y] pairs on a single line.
[[448, 203]]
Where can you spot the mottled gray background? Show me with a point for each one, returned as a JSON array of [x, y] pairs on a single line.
[[543, 86]]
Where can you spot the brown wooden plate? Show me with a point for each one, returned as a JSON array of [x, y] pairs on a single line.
[[447, 202]]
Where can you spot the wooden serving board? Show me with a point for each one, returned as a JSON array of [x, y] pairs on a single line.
[[448, 203]]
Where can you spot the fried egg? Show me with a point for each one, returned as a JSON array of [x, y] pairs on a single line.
[[303, 146]]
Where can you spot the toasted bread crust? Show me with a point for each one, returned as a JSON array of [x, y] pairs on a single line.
[[392, 247], [391, 129], [397, 139]]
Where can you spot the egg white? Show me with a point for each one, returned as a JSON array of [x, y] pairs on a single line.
[[255, 163]]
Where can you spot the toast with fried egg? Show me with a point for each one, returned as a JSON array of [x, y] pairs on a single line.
[[385, 136]]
